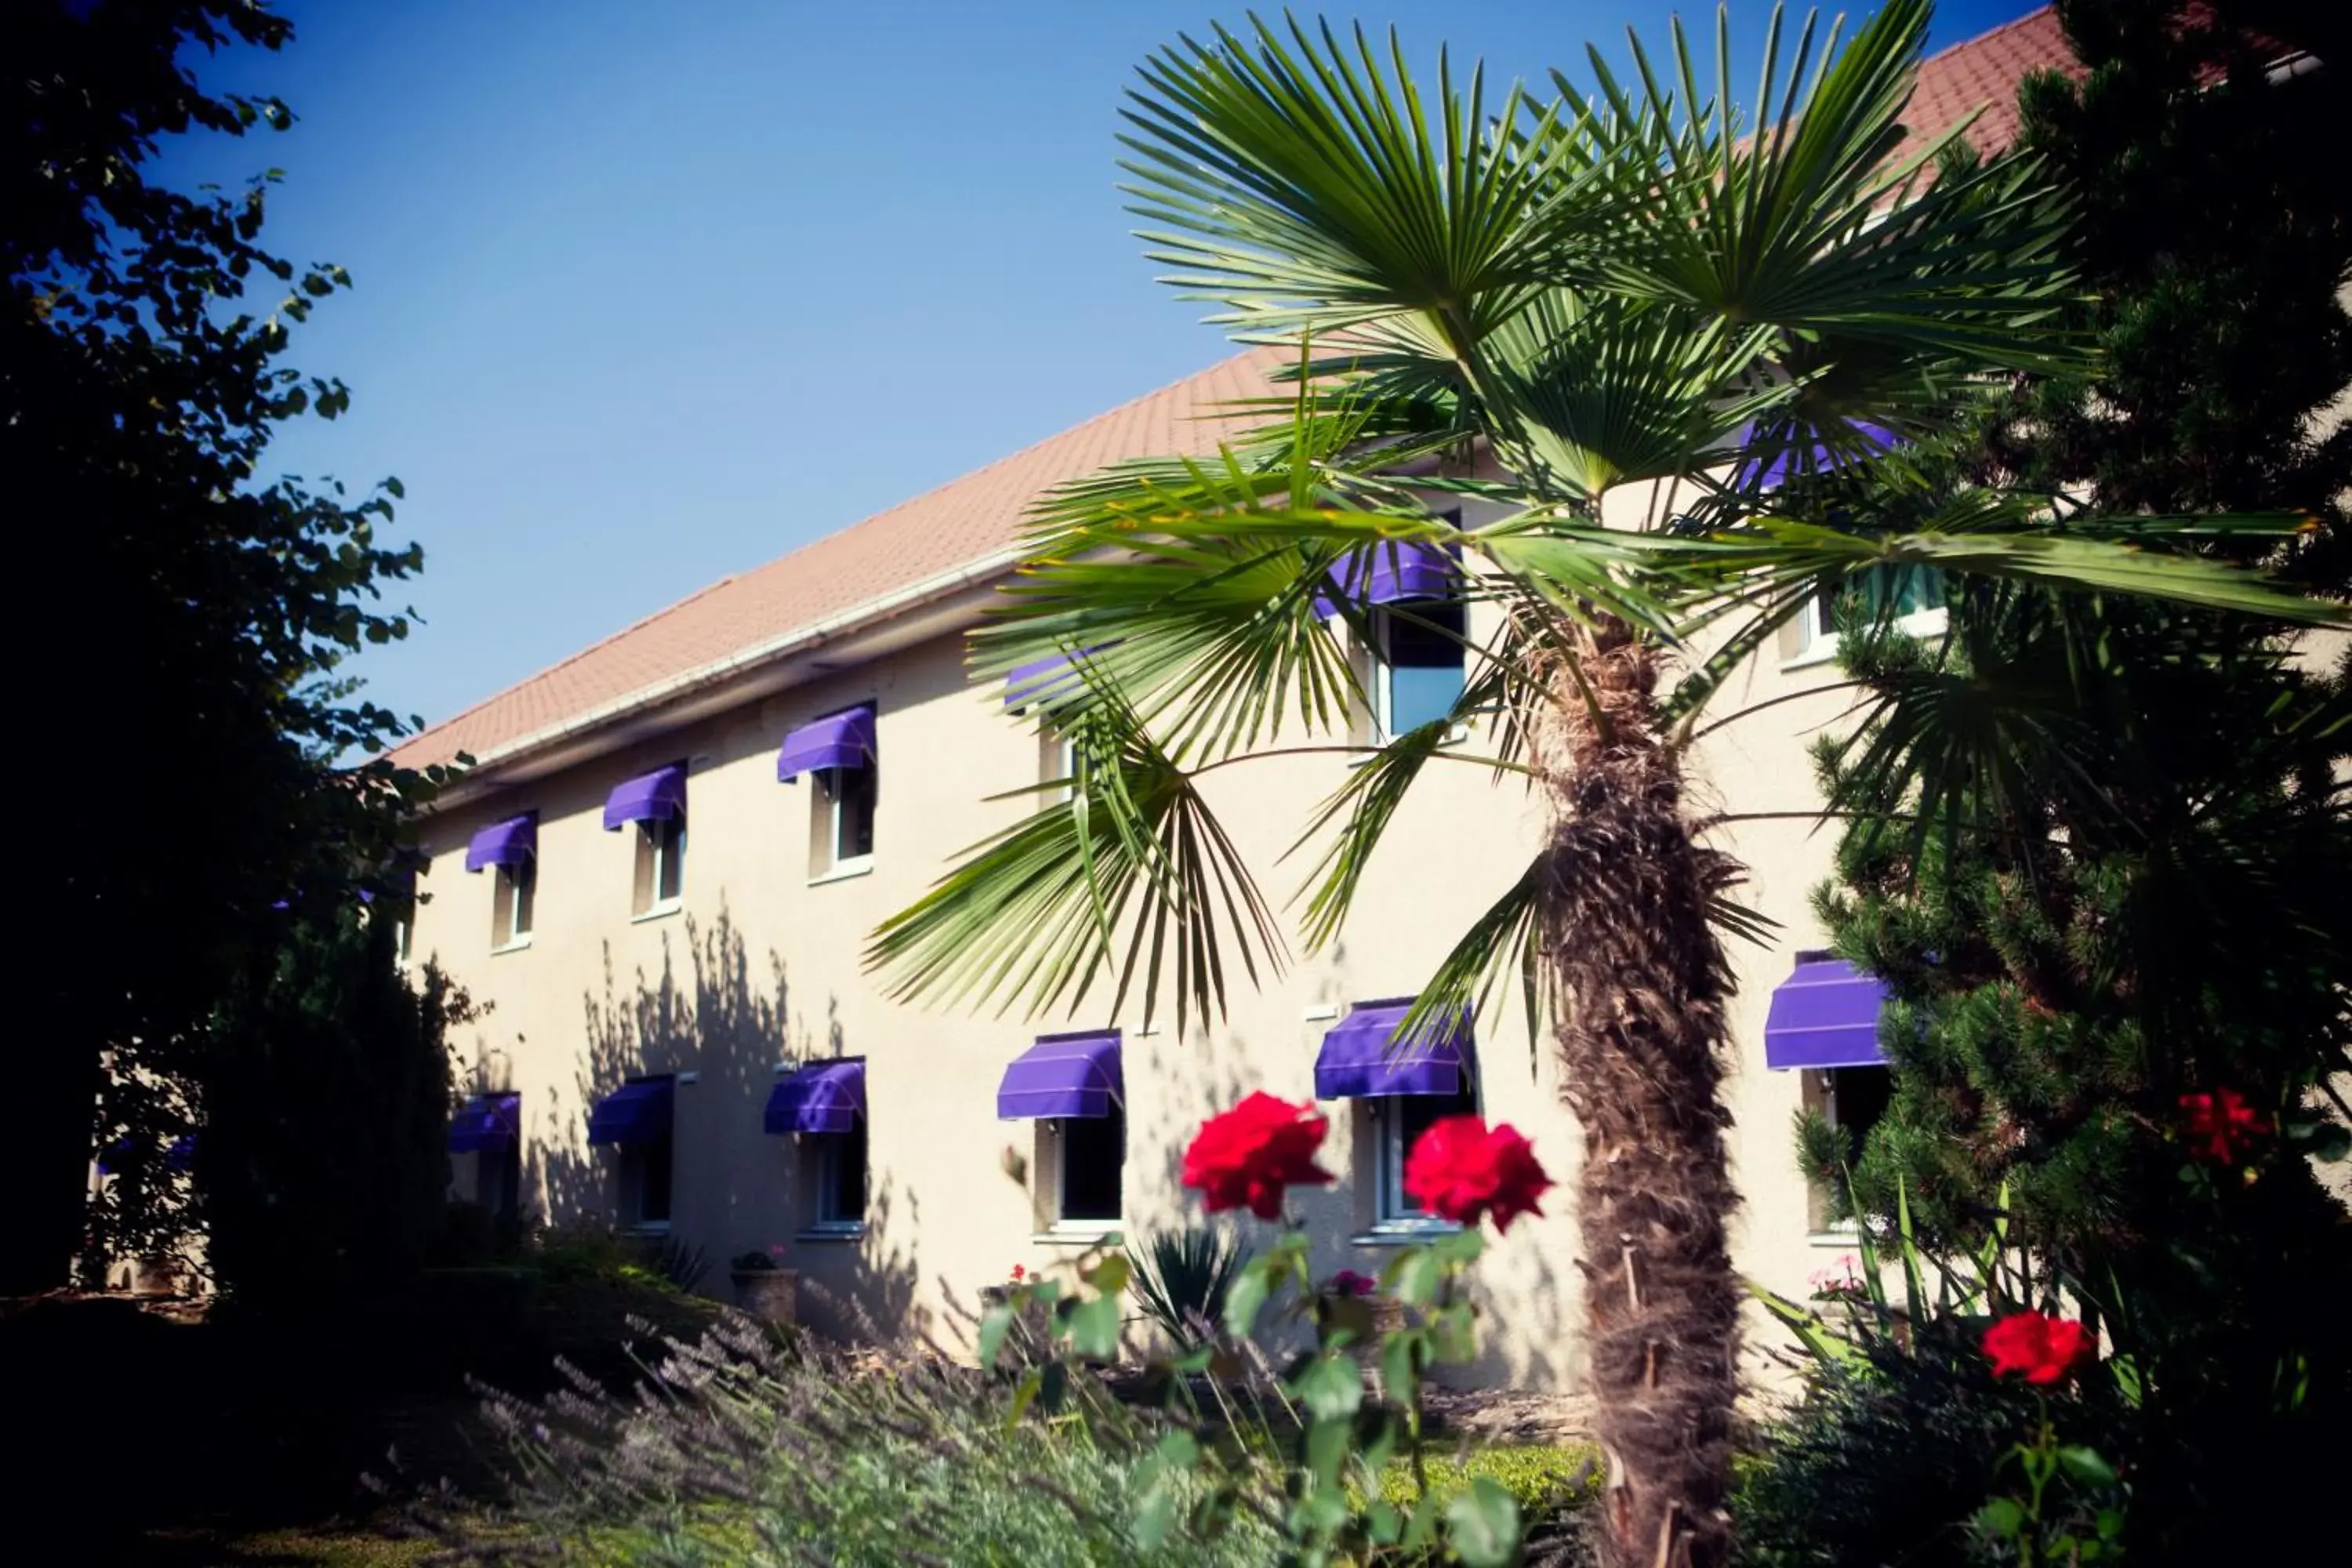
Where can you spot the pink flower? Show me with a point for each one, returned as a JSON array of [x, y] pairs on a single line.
[[1020, 1272], [1462, 1169]]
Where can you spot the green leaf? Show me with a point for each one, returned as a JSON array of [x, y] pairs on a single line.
[[1415, 1276], [994, 1324], [1248, 1293], [1180, 1449], [1093, 1327], [2001, 1519], [1331, 1387], [1483, 1525], [1111, 1275], [2086, 1465]]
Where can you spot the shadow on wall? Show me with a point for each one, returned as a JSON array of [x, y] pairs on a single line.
[[710, 1012]]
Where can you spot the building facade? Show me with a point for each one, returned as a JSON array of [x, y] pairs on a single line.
[[662, 870]]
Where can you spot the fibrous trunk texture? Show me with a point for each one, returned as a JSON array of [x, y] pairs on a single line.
[[1643, 983]]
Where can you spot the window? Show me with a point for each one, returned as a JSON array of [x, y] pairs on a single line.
[[515, 888], [1057, 762], [1912, 597], [646, 1182], [661, 864], [497, 1179], [1398, 1122], [1086, 1159], [1852, 1100], [841, 826], [839, 1161], [1417, 664]]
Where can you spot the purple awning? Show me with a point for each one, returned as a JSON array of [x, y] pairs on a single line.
[[1393, 570], [819, 1096], [656, 796], [1775, 474], [1824, 1015], [486, 1121], [1063, 1075], [1361, 1058], [508, 843], [637, 1112], [843, 740]]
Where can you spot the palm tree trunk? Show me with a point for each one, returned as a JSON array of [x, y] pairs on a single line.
[[1643, 981]]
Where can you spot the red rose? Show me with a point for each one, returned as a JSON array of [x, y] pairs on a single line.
[[2045, 1349], [1462, 1169], [1020, 1272], [2221, 1124], [1244, 1158]]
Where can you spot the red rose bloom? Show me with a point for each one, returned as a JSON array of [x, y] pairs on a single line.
[[1462, 1169], [2045, 1349], [1246, 1158], [2221, 1125]]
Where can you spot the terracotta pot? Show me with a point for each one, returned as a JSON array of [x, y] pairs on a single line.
[[770, 1294]]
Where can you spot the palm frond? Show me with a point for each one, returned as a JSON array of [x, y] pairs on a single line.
[[1131, 878], [1505, 939], [1306, 183]]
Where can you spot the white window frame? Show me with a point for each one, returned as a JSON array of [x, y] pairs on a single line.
[[1817, 633], [840, 865], [665, 855], [520, 896]]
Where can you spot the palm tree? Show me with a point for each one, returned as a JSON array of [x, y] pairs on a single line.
[[1536, 311]]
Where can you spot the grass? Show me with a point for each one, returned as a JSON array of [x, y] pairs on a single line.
[[1543, 1477]]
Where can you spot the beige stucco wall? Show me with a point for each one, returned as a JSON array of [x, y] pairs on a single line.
[[761, 966]]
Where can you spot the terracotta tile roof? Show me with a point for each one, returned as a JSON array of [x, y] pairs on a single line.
[[978, 517], [1984, 71]]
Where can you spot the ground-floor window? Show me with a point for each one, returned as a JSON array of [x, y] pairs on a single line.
[[1398, 1122], [646, 1182], [838, 1162], [1851, 1101], [1085, 1157]]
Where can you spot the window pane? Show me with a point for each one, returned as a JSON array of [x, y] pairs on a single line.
[[1423, 663], [845, 1193], [1858, 1097], [1899, 591], [1094, 1154], [525, 881], [669, 878], [854, 789], [653, 1188], [1411, 1115]]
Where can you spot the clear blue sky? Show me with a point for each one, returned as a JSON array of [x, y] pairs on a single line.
[[648, 294]]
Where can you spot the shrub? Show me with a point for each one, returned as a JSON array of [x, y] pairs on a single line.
[[1182, 1278], [1542, 1477], [743, 1452]]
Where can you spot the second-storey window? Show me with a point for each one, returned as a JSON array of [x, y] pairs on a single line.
[[1417, 663], [842, 824], [1911, 598], [661, 865], [517, 887]]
